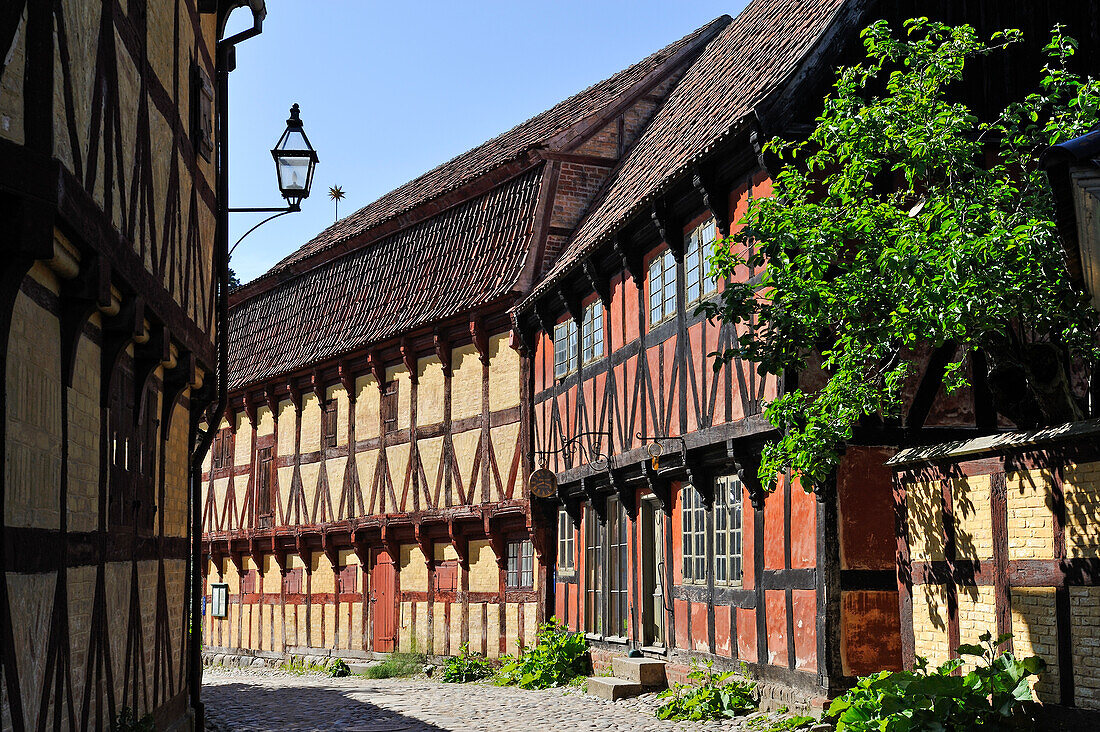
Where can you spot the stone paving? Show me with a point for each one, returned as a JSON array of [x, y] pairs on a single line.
[[253, 699]]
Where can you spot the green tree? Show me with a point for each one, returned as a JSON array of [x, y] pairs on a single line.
[[905, 222]]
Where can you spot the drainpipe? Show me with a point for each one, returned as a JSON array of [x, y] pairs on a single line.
[[225, 61]]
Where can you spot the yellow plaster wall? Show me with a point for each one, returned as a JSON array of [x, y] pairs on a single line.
[[414, 569], [429, 399], [397, 457], [973, 516], [311, 423], [431, 451], [242, 442], [505, 438], [492, 632], [287, 417], [177, 464], [465, 382], [367, 402], [439, 628], [484, 572], [930, 623], [443, 551], [265, 422], [466, 444], [1035, 633], [504, 374], [924, 505]]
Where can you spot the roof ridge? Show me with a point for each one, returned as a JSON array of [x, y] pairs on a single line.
[[498, 155]]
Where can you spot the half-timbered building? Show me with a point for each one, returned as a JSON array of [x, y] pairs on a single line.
[[667, 543], [109, 207], [368, 487]]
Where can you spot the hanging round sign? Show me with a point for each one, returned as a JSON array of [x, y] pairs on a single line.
[[543, 483]]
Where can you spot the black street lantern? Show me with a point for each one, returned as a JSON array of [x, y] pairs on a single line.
[[295, 160]]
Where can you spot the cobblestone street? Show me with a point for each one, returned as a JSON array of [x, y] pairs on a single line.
[[270, 700]]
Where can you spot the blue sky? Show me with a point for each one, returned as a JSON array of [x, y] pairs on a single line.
[[391, 89]]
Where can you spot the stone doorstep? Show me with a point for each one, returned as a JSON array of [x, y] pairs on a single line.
[[612, 688], [644, 671]]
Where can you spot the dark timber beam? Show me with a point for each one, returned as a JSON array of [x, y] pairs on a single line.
[[571, 303], [669, 227]]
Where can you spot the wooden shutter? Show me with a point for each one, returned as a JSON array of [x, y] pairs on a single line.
[[263, 483], [328, 424], [389, 406]]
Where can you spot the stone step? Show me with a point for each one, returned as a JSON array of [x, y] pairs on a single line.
[[644, 671], [612, 688]]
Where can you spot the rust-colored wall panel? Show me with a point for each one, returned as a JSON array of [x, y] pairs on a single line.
[[870, 630], [699, 635], [803, 527], [746, 635], [866, 508], [775, 556], [775, 612], [681, 620], [804, 607], [722, 644]]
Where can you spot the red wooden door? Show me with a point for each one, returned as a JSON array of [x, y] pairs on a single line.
[[384, 602]]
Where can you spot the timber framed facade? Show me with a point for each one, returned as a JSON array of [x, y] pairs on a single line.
[[370, 493], [656, 453], [109, 286]]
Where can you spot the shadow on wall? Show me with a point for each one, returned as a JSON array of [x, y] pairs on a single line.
[[302, 705]]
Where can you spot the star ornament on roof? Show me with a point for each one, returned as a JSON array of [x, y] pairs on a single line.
[[336, 193]]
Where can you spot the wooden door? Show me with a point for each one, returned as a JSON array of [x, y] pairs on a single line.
[[384, 602]]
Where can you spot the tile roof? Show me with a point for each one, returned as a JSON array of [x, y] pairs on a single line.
[[487, 156], [466, 256], [745, 63]]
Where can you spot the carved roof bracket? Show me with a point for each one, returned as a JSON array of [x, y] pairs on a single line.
[[597, 281], [481, 337], [669, 228], [347, 379], [318, 385], [442, 351], [271, 400], [718, 204], [571, 303], [378, 368], [454, 533], [632, 261], [295, 394]]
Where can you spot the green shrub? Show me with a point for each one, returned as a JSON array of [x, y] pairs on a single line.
[[786, 724], [127, 722], [466, 666], [558, 657], [992, 696], [398, 665], [714, 695], [337, 668]]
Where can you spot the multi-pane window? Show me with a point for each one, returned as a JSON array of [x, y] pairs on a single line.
[[693, 514], [328, 424], [567, 538], [593, 573], [662, 287], [264, 473], [389, 406], [727, 530], [592, 333], [697, 284], [520, 566], [219, 600], [565, 348]]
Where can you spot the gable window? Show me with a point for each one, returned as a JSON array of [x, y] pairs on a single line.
[[693, 515], [592, 333], [520, 566], [662, 287], [699, 244], [389, 406], [567, 542], [727, 531], [328, 424], [565, 348]]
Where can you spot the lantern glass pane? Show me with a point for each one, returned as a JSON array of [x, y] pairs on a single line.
[[293, 172]]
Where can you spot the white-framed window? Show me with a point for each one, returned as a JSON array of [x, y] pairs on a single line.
[[520, 566], [727, 531], [693, 516], [565, 348], [219, 600], [592, 333], [567, 543], [698, 246], [662, 287]]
